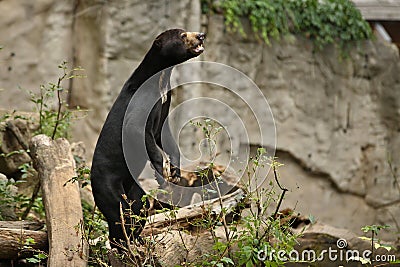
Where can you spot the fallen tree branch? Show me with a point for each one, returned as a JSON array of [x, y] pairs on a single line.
[[26, 225], [12, 241], [185, 215]]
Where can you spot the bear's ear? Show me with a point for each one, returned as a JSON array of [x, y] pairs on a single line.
[[158, 42]]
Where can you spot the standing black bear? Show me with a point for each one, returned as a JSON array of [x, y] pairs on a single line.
[[110, 175]]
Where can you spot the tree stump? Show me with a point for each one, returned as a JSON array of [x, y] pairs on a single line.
[[54, 162]]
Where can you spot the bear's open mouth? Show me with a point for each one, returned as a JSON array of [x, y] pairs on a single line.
[[199, 48]]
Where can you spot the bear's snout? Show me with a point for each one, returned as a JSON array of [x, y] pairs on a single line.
[[194, 42]]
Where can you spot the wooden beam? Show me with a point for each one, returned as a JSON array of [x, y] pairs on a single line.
[[379, 9]]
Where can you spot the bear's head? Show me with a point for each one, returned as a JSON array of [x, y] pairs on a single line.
[[176, 45]]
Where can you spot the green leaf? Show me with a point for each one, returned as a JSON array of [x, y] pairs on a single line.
[[32, 260], [41, 256], [387, 247], [364, 261], [365, 238], [311, 218], [228, 261], [30, 241]]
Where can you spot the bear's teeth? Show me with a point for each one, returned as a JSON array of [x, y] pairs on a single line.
[[199, 48]]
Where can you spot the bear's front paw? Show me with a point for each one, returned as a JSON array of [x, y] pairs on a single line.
[[175, 176]]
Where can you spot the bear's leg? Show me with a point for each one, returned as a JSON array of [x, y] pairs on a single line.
[[134, 214], [108, 201], [155, 157], [134, 220], [139, 208], [167, 143]]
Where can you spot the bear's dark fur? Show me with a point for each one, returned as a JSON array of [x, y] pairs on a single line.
[[110, 175]]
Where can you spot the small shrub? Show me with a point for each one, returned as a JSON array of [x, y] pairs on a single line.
[[10, 198], [55, 123]]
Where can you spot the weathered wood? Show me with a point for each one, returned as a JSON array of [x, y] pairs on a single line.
[[379, 9], [183, 217], [54, 162], [26, 225], [12, 241], [174, 247]]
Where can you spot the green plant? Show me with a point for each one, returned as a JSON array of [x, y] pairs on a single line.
[[21, 203], [12, 153], [259, 227], [95, 234], [331, 21], [82, 176], [375, 243], [39, 257], [256, 230], [210, 131], [10, 198], [325, 22], [26, 169], [55, 123]]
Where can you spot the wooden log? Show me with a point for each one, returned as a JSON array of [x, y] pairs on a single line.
[[183, 217], [12, 241], [26, 225], [55, 165]]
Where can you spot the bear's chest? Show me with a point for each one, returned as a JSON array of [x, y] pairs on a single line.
[[163, 84]]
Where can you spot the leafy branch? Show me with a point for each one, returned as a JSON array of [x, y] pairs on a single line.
[[55, 123], [374, 229], [325, 22]]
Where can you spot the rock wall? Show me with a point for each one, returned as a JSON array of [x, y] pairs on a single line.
[[337, 123], [35, 38], [337, 120]]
